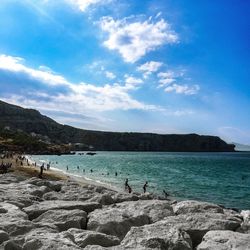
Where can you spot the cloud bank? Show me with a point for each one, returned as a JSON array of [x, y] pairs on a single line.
[[57, 93]]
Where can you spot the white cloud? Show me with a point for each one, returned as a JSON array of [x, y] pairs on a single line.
[[183, 89], [83, 5], [79, 97], [166, 78], [132, 82], [110, 75], [166, 81], [15, 64], [149, 67], [133, 40]]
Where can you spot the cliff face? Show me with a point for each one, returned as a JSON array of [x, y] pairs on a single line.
[[31, 121]]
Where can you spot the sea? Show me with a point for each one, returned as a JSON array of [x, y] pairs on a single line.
[[221, 178]]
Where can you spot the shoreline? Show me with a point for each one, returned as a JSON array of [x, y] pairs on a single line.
[[104, 175], [59, 212], [74, 177]]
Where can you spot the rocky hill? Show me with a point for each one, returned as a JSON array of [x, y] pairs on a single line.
[[31, 121]]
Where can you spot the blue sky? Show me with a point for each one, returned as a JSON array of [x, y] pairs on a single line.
[[159, 66]]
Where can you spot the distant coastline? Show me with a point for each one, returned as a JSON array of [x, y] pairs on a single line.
[[35, 133]]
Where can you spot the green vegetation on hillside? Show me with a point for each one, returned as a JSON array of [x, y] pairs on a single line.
[[32, 122]]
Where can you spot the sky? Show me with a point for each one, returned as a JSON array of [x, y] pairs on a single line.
[[161, 66]]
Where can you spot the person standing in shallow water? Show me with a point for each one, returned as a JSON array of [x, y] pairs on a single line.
[[129, 189], [145, 187], [126, 184]]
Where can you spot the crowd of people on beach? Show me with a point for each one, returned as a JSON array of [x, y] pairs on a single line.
[[21, 160], [5, 166]]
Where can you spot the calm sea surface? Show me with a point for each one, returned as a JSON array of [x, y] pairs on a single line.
[[222, 178]]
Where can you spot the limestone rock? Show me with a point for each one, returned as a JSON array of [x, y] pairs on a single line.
[[10, 212], [84, 238], [191, 206], [96, 247], [245, 226], [20, 194], [246, 215], [104, 199], [10, 178], [117, 219], [37, 240], [71, 193], [37, 209], [3, 236], [54, 185], [198, 224], [13, 220], [157, 236], [10, 245], [120, 197], [64, 219], [39, 228], [225, 240]]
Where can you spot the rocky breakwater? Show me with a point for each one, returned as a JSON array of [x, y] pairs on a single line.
[[43, 214]]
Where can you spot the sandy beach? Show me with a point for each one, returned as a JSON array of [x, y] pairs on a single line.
[[29, 170], [60, 212]]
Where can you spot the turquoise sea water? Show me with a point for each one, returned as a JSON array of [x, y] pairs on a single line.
[[222, 178]]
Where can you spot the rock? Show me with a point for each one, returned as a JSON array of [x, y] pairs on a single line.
[[52, 196], [17, 227], [157, 236], [10, 212], [246, 215], [119, 218], [40, 240], [225, 240], [245, 226], [191, 206], [20, 194], [10, 245], [64, 219], [84, 238], [39, 228], [10, 178], [13, 220], [37, 209], [96, 247], [146, 196], [54, 185], [71, 193], [232, 212], [40, 191], [3, 236], [104, 199], [198, 224], [120, 197]]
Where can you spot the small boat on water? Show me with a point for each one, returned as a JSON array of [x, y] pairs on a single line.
[[90, 153]]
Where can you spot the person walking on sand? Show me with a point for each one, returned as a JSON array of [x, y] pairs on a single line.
[[145, 187], [41, 171]]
